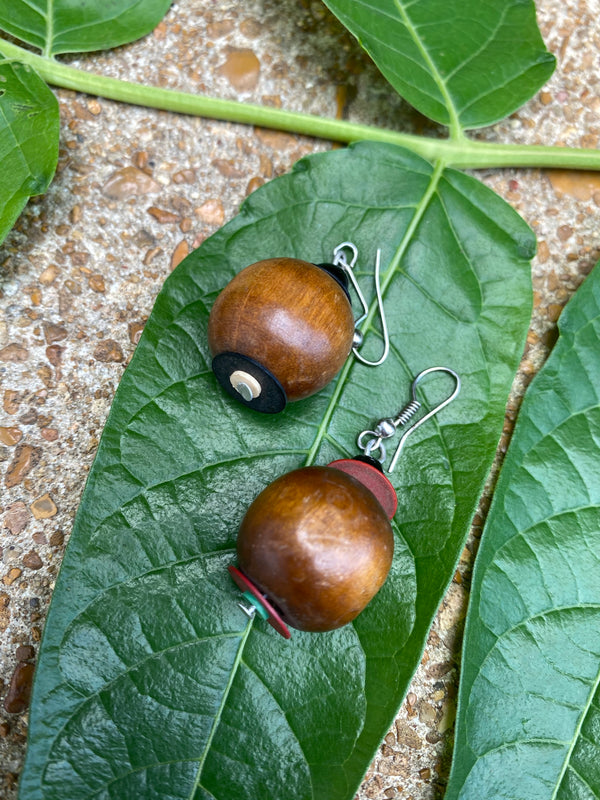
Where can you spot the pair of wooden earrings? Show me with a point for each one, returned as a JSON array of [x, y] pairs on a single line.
[[316, 545]]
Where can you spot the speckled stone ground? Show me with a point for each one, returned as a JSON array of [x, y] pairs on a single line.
[[136, 190]]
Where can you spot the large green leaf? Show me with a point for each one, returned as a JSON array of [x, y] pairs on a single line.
[[64, 26], [29, 130], [529, 721], [151, 681], [463, 63]]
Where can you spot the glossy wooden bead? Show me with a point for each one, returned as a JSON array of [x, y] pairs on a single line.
[[318, 544], [291, 317]]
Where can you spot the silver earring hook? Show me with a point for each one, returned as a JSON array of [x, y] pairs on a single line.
[[386, 428], [340, 260]]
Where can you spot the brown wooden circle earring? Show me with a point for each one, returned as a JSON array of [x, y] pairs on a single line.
[[316, 545], [282, 329]]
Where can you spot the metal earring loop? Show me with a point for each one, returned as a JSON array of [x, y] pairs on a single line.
[[340, 260], [386, 428]]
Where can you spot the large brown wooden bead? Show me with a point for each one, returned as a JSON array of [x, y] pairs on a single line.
[[290, 316], [318, 544]]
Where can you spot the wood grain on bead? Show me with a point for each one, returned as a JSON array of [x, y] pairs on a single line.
[[290, 316], [318, 544]]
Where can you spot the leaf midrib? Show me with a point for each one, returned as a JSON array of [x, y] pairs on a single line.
[[386, 279], [49, 16], [584, 709], [262, 681], [332, 405], [218, 715], [455, 125], [543, 740]]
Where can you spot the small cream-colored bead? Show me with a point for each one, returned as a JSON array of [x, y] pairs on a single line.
[[245, 384]]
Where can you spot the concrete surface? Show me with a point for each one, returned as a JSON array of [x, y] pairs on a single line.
[[137, 189]]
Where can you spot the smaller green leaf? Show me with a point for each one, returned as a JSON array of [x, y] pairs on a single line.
[[29, 131], [529, 705], [62, 26], [462, 63]]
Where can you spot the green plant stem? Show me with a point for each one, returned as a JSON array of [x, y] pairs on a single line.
[[458, 151]]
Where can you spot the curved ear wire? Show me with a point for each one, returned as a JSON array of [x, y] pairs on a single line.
[[384, 327], [339, 259], [429, 414], [386, 428]]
